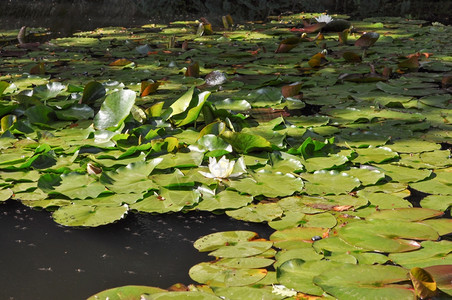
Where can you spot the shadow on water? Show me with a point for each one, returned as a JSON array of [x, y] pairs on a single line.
[[43, 260]]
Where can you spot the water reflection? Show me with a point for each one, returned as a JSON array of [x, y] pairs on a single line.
[[47, 261]]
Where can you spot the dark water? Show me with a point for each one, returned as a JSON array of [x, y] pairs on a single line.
[[42, 260]]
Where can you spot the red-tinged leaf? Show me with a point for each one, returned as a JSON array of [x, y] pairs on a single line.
[[317, 60], [120, 62], [367, 40], [148, 87], [311, 28], [343, 36], [39, 69], [351, 57], [291, 89], [192, 70], [423, 282], [29, 45], [446, 82], [287, 44], [442, 274], [411, 63], [185, 45]]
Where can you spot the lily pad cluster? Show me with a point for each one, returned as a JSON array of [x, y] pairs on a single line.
[[323, 135]]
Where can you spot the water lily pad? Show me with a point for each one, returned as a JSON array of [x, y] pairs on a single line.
[[299, 274], [195, 295], [387, 235], [439, 184], [167, 201], [257, 212], [442, 274], [329, 182], [215, 275], [372, 154], [366, 174], [219, 239], [328, 162], [225, 200], [246, 293], [405, 175], [350, 281], [126, 292], [132, 178], [242, 249], [245, 142], [431, 254], [268, 184], [252, 262], [89, 216], [114, 110], [438, 202], [78, 186], [413, 146], [5, 194], [405, 214], [296, 237]]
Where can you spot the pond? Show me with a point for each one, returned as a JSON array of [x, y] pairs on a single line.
[[350, 165], [43, 260]]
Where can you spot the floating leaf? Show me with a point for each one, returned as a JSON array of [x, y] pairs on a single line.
[[114, 110], [367, 39], [257, 212], [350, 281], [126, 292], [91, 92], [329, 182], [215, 275], [88, 216], [386, 235], [216, 240], [242, 249]]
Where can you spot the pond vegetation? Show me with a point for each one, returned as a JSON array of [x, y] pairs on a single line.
[[321, 128]]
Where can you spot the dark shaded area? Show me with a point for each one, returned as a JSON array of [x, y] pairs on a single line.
[[66, 17], [43, 260]]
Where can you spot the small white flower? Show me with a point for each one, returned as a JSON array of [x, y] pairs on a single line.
[[221, 169], [281, 290], [324, 19]]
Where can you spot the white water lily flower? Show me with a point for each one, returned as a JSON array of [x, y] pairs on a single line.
[[281, 290], [221, 169], [324, 19]]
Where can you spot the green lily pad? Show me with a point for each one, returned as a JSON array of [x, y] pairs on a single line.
[[252, 262], [245, 142], [224, 200], [350, 281], [405, 175], [299, 274], [372, 154], [439, 184], [246, 293], [216, 240], [257, 212], [167, 201], [387, 235], [78, 186], [242, 249], [438, 202], [215, 275], [431, 254], [195, 295], [413, 146], [89, 216], [329, 182], [5, 194], [114, 110], [405, 214], [268, 184], [132, 178], [126, 292]]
